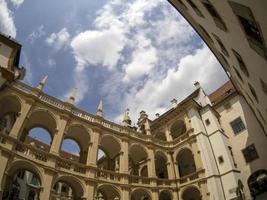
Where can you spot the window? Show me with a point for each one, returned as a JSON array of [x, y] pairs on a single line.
[[220, 159], [193, 5], [215, 15], [223, 49], [253, 92], [264, 86], [238, 75], [232, 155], [250, 27], [250, 153], [182, 3], [241, 63], [205, 32], [207, 122], [237, 125]]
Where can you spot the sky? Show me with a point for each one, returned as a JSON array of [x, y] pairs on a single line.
[[136, 54]]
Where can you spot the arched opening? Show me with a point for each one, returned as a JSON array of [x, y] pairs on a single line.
[[107, 192], [191, 193], [67, 187], [75, 144], [161, 165], [165, 195], [39, 130], [177, 129], [186, 162], [140, 194], [161, 136], [9, 110], [22, 184], [109, 154], [70, 149], [257, 182], [62, 190], [138, 160]]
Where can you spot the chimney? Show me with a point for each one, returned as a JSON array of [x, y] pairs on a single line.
[[157, 115], [174, 103], [197, 84]]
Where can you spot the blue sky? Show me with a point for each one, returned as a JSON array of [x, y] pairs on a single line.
[[136, 54]]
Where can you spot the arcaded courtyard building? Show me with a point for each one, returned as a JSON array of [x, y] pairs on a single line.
[[204, 147]]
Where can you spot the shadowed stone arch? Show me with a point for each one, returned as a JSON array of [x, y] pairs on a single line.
[[23, 179], [138, 156], [165, 195], [81, 135], [111, 146], [191, 193], [177, 129], [141, 194], [160, 136], [185, 161], [74, 183], [10, 108], [161, 165], [108, 192]]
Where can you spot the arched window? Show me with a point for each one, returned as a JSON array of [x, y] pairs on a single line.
[[161, 165], [107, 192], [39, 137], [70, 149], [177, 129], [110, 149], [165, 195], [191, 193], [186, 162], [140, 194], [161, 136], [138, 159], [257, 182]]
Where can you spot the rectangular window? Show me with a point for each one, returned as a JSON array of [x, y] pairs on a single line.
[[250, 27], [193, 5], [215, 15], [250, 153], [237, 125]]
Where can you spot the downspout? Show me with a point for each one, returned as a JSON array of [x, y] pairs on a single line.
[[213, 155]]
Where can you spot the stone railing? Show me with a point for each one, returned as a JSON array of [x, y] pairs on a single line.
[[139, 180], [62, 163], [52, 101], [107, 175], [164, 182], [192, 177], [31, 151]]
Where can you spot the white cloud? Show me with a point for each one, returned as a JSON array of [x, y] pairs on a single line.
[[17, 3], [155, 95], [51, 62], [7, 24], [144, 58], [59, 40], [98, 47], [36, 34]]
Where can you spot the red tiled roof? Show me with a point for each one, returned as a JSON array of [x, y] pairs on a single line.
[[222, 92]]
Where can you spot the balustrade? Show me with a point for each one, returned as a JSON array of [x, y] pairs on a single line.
[[139, 180], [62, 163], [107, 175], [192, 177]]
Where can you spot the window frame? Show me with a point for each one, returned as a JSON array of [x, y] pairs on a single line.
[[247, 152], [240, 128]]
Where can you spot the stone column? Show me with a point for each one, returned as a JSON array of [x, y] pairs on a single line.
[[168, 135], [92, 154], [90, 190], [124, 157], [170, 167], [4, 161], [155, 194], [59, 135], [151, 164], [18, 125], [125, 193], [46, 185]]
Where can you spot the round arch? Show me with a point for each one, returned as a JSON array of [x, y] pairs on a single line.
[[108, 192], [160, 136], [185, 161], [10, 103], [74, 183], [177, 129], [161, 165], [140, 193], [165, 195], [191, 193]]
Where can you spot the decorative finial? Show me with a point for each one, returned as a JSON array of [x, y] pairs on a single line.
[[42, 83], [174, 102], [197, 84], [126, 119], [99, 111], [73, 96]]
